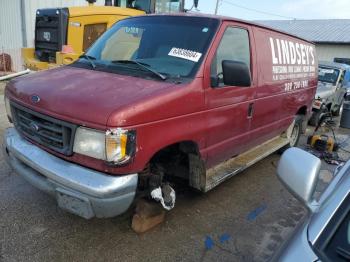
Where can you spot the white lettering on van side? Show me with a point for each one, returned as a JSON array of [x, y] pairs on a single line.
[[302, 50], [291, 59], [307, 50], [293, 54], [285, 52], [274, 58], [297, 47], [312, 55], [279, 51]]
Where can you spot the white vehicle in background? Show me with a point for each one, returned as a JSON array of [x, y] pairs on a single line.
[[333, 81]]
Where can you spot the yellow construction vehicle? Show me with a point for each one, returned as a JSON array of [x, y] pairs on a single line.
[[62, 35]]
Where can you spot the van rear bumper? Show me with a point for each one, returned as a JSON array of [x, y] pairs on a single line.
[[79, 190]]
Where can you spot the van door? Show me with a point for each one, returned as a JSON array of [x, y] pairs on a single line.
[[229, 108]]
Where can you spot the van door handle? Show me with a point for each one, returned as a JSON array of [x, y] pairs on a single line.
[[250, 110]]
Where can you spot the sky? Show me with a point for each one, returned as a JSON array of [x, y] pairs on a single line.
[[278, 9]]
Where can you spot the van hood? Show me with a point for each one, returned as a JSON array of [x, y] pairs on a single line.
[[90, 98]]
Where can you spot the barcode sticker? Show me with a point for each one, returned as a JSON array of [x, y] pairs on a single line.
[[185, 54]]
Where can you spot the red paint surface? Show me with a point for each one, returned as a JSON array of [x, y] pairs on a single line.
[[165, 113]]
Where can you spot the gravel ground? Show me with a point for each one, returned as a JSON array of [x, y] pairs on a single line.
[[244, 219]]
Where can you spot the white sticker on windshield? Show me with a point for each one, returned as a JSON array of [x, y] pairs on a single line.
[[327, 71], [185, 54]]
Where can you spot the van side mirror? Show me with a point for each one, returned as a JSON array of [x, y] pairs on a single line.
[[298, 170], [195, 3], [235, 73]]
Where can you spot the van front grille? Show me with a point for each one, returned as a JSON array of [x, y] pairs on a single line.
[[49, 132]]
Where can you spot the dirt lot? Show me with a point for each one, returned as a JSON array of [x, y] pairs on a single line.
[[244, 219]]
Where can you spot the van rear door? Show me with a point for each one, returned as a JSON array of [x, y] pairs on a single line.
[[287, 81]]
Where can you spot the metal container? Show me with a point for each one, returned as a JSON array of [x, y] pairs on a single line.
[[345, 116]]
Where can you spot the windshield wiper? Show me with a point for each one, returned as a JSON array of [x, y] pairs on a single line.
[[89, 58], [142, 65]]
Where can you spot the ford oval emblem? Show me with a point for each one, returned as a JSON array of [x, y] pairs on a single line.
[[34, 127], [35, 99]]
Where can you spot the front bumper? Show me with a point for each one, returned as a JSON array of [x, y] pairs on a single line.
[[77, 189]]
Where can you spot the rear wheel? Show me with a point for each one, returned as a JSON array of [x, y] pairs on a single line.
[[293, 133]]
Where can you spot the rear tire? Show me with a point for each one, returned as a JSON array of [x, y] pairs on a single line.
[[293, 133]]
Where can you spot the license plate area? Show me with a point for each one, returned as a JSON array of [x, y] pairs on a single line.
[[74, 203]]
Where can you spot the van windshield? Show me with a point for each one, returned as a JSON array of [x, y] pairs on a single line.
[[328, 75], [173, 46]]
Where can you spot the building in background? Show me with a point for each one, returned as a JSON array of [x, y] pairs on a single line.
[[331, 36], [17, 22]]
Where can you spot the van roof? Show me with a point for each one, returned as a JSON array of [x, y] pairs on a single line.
[[228, 18]]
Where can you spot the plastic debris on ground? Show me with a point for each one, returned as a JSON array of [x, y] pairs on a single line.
[[165, 195]]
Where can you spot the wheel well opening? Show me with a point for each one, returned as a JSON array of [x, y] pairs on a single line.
[[174, 160], [302, 110]]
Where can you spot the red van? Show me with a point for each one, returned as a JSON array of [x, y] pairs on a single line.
[[156, 99]]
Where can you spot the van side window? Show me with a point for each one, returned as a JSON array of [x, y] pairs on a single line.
[[235, 46]]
